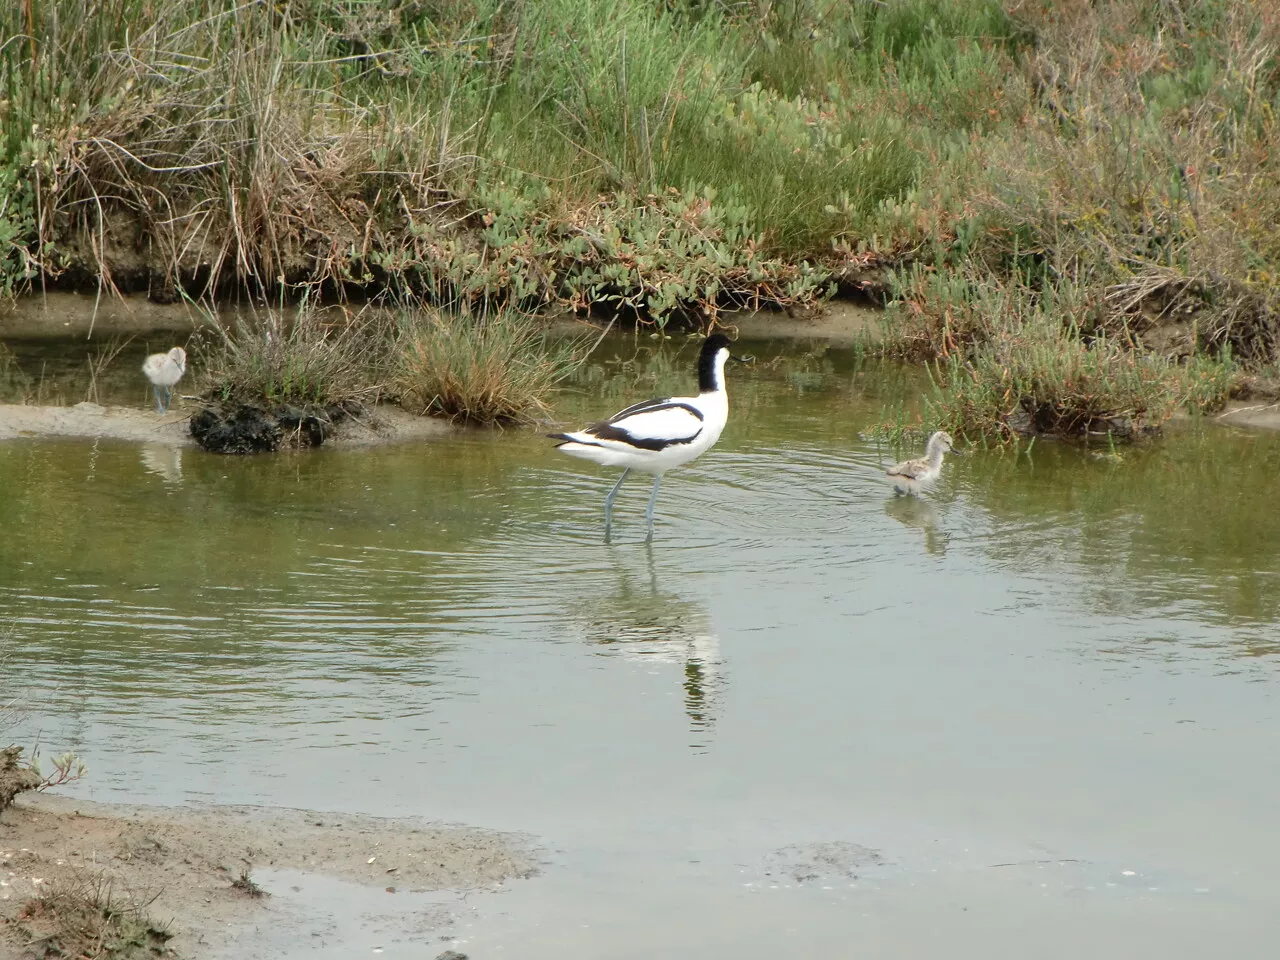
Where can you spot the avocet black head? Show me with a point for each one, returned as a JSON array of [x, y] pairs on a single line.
[[715, 351], [655, 435]]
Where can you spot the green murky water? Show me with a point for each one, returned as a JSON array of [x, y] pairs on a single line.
[[1033, 715]]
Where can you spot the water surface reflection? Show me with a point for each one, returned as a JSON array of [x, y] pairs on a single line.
[[1054, 658]]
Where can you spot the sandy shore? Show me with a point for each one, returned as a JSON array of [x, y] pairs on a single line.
[[188, 859], [384, 424]]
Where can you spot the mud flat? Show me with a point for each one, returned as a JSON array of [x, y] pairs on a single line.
[[1262, 416], [380, 425], [191, 861], [63, 314]]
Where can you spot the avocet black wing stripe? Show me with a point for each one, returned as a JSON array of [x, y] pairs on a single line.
[[608, 431], [652, 406], [654, 428]]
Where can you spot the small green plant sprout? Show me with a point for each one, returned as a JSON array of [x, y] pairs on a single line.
[[245, 884], [67, 768]]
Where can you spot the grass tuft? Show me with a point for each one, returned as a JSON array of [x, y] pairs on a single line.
[[1014, 361], [307, 358], [245, 884], [489, 369]]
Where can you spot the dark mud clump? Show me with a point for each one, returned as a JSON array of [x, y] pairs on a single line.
[[15, 776], [242, 430], [251, 429]]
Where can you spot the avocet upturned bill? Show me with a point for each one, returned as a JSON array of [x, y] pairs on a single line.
[[912, 476], [653, 436], [164, 370]]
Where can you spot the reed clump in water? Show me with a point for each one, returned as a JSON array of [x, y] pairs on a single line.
[[285, 378], [1017, 361], [276, 372]]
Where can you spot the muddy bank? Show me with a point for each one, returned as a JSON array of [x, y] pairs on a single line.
[[62, 314], [92, 421], [190, 859], [380, 425], [837, 321]]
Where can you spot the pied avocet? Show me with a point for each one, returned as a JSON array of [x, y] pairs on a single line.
[[653, 436], [164, 370], [912, 476]]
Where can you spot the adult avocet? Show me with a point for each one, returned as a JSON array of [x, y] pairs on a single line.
[[656, 435], [164, 370], [912, 476]]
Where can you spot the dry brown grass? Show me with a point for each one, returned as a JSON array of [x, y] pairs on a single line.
[[1149, 173], [246, 146], [209, 139]]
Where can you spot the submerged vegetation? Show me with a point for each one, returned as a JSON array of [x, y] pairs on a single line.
[[1070, 207]]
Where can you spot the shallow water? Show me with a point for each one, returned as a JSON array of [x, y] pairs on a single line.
[[1035, 712]]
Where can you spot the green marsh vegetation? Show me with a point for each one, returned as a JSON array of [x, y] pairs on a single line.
[[1069, 208]]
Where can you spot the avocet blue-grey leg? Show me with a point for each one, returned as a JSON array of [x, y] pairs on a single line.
[[653, 498], [608, 504]]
